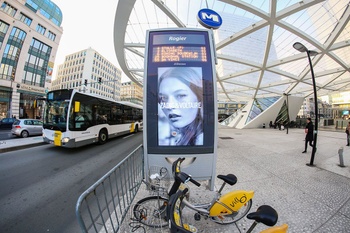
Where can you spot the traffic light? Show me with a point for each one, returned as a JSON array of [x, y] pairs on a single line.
[[85, 82], [99, 80]]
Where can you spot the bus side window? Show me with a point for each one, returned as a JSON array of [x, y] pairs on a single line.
[[119, 114], [79, 121]]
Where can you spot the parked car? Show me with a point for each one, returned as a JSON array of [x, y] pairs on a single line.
[[27, 127], [6, 123]]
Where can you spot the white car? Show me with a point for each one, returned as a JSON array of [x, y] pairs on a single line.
[[27, 127]]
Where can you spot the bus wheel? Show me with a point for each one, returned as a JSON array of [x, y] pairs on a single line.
[[102, 137]]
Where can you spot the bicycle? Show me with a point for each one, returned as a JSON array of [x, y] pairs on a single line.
[[265, 214], [223, 209]]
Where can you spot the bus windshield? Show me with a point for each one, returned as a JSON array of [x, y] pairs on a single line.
[[55, 116]]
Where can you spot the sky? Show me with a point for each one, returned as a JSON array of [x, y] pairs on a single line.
[[86, 24]]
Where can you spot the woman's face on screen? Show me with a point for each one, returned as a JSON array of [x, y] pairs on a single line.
[[178, 102]]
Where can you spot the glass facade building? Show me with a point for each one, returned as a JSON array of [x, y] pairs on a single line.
[[30, 32]]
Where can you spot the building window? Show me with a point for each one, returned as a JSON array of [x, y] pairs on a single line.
[[8, 9], [37, 64], [41, 29], [260, 105], [11, 54], [25, 19], [17, 35], [3, 30], [51, 36]]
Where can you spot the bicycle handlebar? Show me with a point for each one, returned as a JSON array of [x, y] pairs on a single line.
[[180, 177], [176, 169], [176, 166], [195, 182], [184, 178]]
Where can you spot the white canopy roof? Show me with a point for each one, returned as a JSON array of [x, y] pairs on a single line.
[[254, 45]]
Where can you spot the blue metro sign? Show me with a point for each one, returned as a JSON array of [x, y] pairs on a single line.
[[209, 18]]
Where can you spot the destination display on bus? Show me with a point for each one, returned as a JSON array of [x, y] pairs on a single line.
[[179, 92]]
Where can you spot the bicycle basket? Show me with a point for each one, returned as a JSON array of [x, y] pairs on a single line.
[[158, 181]]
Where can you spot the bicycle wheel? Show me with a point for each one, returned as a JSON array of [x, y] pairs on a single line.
[[151, 211], [231, 218]]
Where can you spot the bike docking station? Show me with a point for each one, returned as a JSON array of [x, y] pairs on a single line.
[[180, 105]]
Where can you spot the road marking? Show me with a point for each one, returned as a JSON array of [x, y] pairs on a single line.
[[128, 136]]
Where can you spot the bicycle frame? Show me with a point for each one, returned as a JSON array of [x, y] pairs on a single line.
[[225, 205], [223, 209], [265, 214], [221, 206]]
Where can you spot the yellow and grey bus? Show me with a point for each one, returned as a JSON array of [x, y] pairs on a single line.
[[73, 119]]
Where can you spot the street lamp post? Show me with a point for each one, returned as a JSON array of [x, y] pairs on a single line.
[[301, 48], [287, 111], [10, 100], [114, 79]]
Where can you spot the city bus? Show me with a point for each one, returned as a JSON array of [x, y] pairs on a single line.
[[74, 119]]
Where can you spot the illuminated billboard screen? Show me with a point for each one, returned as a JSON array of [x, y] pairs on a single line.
[[180, 92]]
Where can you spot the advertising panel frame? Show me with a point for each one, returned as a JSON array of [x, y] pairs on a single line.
[[180, 87]]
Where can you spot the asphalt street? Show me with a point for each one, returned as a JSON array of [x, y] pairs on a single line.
[[5, 134], [41, 185]]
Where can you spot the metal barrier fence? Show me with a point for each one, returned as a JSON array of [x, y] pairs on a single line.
[[104, 206]]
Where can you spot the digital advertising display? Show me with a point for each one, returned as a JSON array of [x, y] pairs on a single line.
[[179, 99]]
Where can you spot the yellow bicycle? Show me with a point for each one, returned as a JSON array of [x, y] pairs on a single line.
[[265, 214], [223, 209]]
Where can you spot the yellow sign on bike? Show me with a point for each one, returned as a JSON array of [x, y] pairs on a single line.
[[230, 202]]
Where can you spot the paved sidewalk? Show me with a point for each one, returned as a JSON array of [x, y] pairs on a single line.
[[20, 143], [270, 162]]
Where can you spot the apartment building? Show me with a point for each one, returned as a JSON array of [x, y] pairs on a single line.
[[90, 72], [131, 92]]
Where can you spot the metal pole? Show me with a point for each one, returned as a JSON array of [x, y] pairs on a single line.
[[314, 148], [288, 123], [114, 88], [10, 100], [341, 159]]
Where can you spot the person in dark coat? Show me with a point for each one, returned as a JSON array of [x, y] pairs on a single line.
[[309, 131]]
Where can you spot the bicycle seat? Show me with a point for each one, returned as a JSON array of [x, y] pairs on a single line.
[[229, 178], [264, 214]]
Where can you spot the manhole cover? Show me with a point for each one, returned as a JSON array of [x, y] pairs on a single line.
[[225, 137]]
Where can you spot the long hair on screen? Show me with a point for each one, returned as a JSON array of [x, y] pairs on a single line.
[[194, 81]]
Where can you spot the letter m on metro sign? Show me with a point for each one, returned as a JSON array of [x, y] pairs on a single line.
[[209, 18]]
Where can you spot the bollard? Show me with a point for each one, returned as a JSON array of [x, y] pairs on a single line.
[[341, 160]]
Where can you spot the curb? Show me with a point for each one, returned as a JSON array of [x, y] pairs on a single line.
[[21, 147]]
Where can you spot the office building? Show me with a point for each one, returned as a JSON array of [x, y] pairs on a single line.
[[131, 92], [307, 109], [340, 104], [90, 72], [30, 32]]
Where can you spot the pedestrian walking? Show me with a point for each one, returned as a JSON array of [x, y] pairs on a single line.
[[309, 131]]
